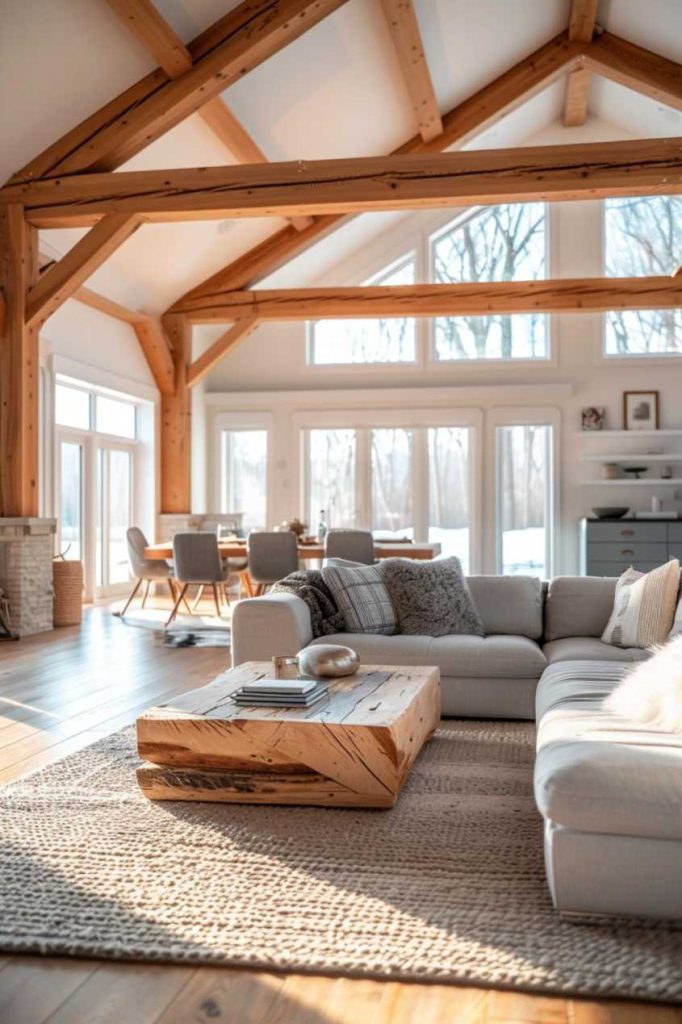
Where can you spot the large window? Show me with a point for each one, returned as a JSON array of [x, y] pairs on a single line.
[[367, 341], [331, 477], [244, 463], [499, 243], [524, 498], [400, 482], [643, 237]]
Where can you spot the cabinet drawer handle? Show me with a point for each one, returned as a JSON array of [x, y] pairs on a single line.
[[627, 533], [627, 551]]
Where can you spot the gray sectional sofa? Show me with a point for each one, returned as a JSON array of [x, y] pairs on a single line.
[[610, 792]]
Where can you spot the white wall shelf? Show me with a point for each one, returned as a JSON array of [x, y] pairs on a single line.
[[635, 457], [631, 433]]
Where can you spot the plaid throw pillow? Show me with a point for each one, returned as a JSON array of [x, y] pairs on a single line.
[[362, 599]]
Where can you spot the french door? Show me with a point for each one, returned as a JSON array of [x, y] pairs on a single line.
[[95, 484]]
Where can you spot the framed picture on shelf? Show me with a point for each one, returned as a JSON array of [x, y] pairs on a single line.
[[640, 410], [593, 417]]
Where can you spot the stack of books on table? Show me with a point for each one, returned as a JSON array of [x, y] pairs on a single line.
[[282, 693]]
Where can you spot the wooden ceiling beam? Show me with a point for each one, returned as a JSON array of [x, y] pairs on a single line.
[[407, 40], [428, 300], [154, 33], [103, 304], [156, 350], [227, 342], [639, 69], [240, 41], [431, 181], [62, 279], [581, 27], [460, 124]]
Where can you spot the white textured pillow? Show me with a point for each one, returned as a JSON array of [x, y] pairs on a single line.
[[644, 607], [651, 692]]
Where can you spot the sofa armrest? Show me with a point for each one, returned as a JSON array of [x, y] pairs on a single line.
[[263, 627]]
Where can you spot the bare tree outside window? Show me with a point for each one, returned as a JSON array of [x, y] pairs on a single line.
[[368, 341], [245, 475], [449, 510], [500, 243], [524, 480], [331, 475], [391, 458], [643, 237]]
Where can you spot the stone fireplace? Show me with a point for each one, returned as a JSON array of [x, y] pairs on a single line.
[[26, 550]]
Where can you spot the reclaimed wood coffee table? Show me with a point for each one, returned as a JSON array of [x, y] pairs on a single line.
[[355, 750]]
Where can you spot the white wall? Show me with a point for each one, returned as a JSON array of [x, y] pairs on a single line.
[[268, 372]]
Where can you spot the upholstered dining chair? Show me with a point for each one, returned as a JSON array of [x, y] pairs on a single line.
[[272, 556], [197, 563], [354, 545], [145, 570]]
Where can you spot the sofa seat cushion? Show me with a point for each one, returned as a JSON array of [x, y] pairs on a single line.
[[596, 771], [478, 657], [589, 648]]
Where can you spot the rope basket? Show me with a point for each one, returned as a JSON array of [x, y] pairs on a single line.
[[67, 582]]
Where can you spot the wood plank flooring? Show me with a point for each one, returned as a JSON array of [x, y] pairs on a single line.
[[63, 690]]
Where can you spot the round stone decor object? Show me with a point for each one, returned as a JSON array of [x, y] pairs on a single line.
[[328, 661]]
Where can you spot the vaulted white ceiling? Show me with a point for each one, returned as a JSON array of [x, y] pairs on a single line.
[[336, 91]]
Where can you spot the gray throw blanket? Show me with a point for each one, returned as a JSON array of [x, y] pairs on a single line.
[[311, 588]]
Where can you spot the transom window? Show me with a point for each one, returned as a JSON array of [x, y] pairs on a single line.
[[643, 237], [499, 243], [380, 340], [86, 409]]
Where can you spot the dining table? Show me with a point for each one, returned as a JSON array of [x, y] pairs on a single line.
[[309, 551]]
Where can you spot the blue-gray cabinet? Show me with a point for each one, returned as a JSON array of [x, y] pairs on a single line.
[[609, 546]]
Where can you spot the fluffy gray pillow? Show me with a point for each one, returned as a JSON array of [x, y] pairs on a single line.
[[430, 598]]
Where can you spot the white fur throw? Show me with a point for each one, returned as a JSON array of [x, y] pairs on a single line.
[[651, 693]]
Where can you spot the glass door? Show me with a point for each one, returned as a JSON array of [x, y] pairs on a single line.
[[524, 488], [114, 515], [70, 483]]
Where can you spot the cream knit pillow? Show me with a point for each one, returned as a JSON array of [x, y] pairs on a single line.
[[644, 607]]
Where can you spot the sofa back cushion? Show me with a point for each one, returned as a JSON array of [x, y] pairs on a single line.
[[578, 606], [509, 605]]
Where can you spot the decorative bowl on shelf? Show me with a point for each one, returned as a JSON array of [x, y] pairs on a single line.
[[610, 512], [635, 471]]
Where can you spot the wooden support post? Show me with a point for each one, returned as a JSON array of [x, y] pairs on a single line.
[[18, 368], [176, 421]]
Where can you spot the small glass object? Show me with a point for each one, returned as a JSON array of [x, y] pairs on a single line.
[[285, 667], [666, 472]]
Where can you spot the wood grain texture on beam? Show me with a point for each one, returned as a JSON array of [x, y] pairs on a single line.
[[63, 278], [461, 123], [19, 368], [582, 19], [176, 421], [236, 44], [147, 25], [430, 181], [581, 26], [219, 349], [103, 304], [426, 300], [157, 353], [639, 69], [407, 40]]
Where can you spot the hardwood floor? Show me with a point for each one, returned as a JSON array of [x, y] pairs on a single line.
[[63, 690]]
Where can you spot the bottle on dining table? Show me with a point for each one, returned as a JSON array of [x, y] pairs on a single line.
[[322, 526]]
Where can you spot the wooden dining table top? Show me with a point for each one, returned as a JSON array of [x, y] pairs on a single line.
[[308, 552]]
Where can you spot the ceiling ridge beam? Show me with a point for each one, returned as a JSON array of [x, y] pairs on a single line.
[[463, 122], [228, 341], [564, 295], [407, 41], [62, 279], [152, 31], [362, 184], [242, 40]]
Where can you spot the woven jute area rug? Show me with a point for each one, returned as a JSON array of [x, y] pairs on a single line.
[[449, 886]]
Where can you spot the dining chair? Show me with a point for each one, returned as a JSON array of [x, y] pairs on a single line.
[[145, 570], [353, 545], [197, 563], [272, 556]]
